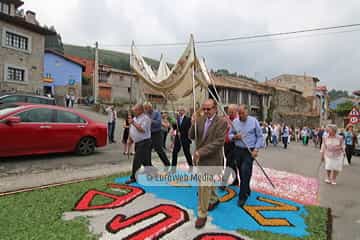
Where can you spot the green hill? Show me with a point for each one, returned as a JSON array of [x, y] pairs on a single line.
[[115, 59]]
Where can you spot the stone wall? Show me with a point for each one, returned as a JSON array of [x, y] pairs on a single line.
[[292, 108], [304, 84], [32, 61]]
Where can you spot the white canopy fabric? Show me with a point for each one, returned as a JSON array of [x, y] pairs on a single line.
[[178, 82], [163, 71]]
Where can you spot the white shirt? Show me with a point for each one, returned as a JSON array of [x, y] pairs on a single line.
[[111, 114], [145, 122]]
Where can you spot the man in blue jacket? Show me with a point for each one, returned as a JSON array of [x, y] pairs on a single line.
[[156, 137]]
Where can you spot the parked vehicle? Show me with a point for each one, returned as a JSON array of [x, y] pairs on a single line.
[[27, 129], [12, 98]]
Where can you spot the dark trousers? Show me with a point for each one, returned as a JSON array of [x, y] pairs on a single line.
[[157, 145], [111, 130], [230, 163], [349, 150], [185, 143], [164, 136], [244, 162], [320, 141], [285, 141], [142, 156]]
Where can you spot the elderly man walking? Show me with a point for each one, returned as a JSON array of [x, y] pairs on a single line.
[[247, 134], [156, 137], [140, 133], [211, 131]]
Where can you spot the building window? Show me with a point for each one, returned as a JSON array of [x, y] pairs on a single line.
[[103, 77], [233, 96], [255, 100], [245, 98], [4, 8], [16, 41], [15, 74]]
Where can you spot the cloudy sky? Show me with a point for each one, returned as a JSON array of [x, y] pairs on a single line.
[[332, 56]]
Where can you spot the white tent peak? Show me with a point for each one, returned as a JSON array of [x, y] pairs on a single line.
[[177, 82]]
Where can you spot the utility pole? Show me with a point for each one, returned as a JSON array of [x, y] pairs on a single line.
[[96, 73]]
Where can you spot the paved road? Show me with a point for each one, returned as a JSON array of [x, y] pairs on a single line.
[[344, 198]]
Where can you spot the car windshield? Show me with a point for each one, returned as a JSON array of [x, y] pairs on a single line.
[[5, 109]]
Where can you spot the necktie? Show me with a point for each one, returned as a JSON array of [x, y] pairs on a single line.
[[207, 125]]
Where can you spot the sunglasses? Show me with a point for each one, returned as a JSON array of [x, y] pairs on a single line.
[[207, 109]]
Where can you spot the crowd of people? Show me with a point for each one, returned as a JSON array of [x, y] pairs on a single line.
[[241, 135], [235, 135]]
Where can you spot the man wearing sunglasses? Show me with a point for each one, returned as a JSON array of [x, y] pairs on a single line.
[[210, 132]]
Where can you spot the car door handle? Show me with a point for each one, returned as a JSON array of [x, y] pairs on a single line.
[[81, 126], [45, 126]]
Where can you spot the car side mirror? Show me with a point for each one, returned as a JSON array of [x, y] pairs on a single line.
[[12, 120]]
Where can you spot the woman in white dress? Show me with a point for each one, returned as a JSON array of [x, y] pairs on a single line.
[[332, 152]]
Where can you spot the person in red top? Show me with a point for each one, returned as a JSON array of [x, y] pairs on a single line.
[[232, 112]]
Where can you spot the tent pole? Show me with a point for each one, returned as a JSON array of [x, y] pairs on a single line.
[[194, 99], [256, 161], [193, 82]]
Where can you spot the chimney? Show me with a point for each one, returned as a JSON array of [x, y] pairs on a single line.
[[30, 17]]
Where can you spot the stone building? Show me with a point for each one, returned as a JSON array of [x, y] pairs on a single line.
[[305, 84], [238, 90], [114, 85], [22, 42], [313, 105], [291, 107]]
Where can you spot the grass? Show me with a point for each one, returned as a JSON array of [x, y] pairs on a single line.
[[316, 220], [38, 215]]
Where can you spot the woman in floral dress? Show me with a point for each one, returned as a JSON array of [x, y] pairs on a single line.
[[332, 152]]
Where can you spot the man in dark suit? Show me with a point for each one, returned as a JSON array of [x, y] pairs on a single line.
[[210, 133], [182, 138]]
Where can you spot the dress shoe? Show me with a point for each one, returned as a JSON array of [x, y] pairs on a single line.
[[131, 180], [241, 202], [212, 206], [222, 188], [200, 222]]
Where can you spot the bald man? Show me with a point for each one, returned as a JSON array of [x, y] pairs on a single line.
[[140, 133], [247, 135]]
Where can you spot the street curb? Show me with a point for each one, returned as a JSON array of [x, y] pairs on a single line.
[[58, 184]]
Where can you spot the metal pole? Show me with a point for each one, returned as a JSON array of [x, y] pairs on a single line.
[[256, 161], [96, 73]]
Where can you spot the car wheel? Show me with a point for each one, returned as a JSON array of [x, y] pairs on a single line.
[[86, 146]]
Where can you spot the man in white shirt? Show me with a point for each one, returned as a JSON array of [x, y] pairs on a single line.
[[140, 133], [111, 123]]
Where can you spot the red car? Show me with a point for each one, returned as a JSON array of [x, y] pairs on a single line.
[[27, 129]]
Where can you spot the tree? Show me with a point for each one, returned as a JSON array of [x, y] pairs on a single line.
[[335, 94], [226, 73], [343, 109]]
